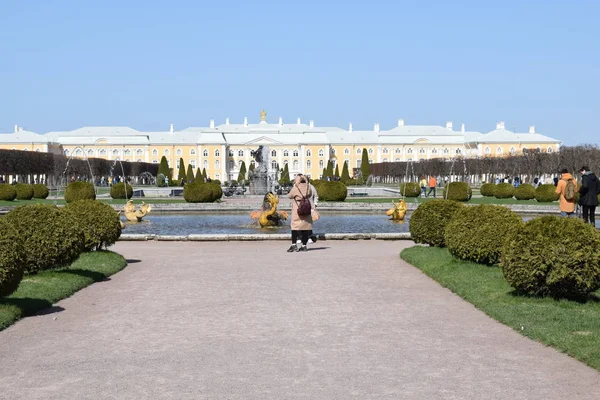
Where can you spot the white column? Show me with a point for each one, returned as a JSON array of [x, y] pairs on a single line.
[[224, 155], [147, 153], [302, 159], [379, 154]]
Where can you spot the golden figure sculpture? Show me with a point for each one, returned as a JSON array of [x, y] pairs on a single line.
[[398, 211], [263, 115], [269, 216], [134, 215]]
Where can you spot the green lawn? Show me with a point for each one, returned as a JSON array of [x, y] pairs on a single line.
[[475, 200], [569, 326], [37, 292]]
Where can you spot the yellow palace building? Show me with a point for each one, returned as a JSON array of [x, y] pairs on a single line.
[[305, 148]]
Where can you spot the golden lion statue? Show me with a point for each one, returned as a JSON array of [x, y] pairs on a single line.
[[134, 215], [269, 216], [398, 211]]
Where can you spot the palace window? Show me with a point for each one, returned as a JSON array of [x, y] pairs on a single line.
[[273, 164], [296, 164], [241, 153], [127, 152], [205, 164], [333, 151], [385, 160], [370, 161], [115, 152], [308, 164], [397, 160], [512, 151], [285, 162], [154, 161], [421, 151], [217, 176], [321, 153], [347, 162], [139, 152], [421, 159], [370, 151], [192, 152], [295, 153], [193, 164], [358, 151], [321, 164], [549, 150], [346, 151], [487, 150], [179, 152], [398, 151], [409, 151], [217, 164], [90, 152], [37, 149], [433, 151], [273, 153], [217, 153], [308, 153], [230, 164], [231, 153], [78, 152], [240, 163], [154, 152], [410, 159], [205, 153], [286, 153], [446, 151], [177, 163], [358, 162], [458, 151], [385, 151], [166, 152], [102, 152], [499, 150], [139, 160]]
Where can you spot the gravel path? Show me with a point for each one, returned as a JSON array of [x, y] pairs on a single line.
[[246, 320]]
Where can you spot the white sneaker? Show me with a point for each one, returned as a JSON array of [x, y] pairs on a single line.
[[310, 241]]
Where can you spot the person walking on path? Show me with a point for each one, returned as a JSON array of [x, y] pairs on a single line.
[[589, 190], [423, 184], [432, 185], [567, 193], [301, 224]]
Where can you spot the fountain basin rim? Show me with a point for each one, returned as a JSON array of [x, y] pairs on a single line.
[[261, 237]]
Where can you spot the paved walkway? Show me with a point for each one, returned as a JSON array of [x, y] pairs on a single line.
[[249, 321]]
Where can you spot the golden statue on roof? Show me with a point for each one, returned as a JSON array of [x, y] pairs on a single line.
[[263, 115]]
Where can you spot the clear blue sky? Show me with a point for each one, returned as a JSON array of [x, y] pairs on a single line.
[[145, 64]]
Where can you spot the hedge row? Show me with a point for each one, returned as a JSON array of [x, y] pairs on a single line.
[[543, 193], [39, 237], [539, 257], [22, 191], [201, 192]]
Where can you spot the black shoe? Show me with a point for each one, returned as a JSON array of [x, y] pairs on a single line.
[[292, 249], [303, 248], [314, 238]]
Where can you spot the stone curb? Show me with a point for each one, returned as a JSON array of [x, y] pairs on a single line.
[[261, 237]]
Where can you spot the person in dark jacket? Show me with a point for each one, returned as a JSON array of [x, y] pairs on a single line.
[[588, 200]]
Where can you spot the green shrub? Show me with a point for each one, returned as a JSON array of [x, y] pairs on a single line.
[[117, 191], [216, 182], [332, 191], [12, 263], [51, 238], [79, 190], [545, 193], [410, 189], [553, 256], [7, 192], [459, 191], [98, 221], [200, 192], [525, 191], [504, 191], [429, 220], [476, 233], [24, 191], [487, 189], [160, 180], [40, 191]]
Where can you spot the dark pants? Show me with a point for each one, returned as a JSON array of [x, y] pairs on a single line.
[[431, 189], [589, 214], [303, 235]]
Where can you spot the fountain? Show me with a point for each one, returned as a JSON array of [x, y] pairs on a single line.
[[134, 215], [64, 180], [112, 167], [268, 215], [398, 211], [260, 181]]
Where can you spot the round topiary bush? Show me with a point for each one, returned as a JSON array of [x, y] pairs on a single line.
[[40, 191], [217, 191], [24, 191], [12, 263], [117, 191], [429, 220], [410, 189], [198, 192], [50, 237], [504, 191], [525, 191], [98, 221], [459, 191], [332, 191], [79, 190], [487, 189], [545, 193], [7, 192], [476, 233], [553, 256]]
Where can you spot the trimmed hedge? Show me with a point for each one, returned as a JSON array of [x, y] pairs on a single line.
[[553, 256], [79, 190], [487, 189], [40, 191], [504, 191], [98, 221], [428, 222], [524, 191], [476, 233], [51, 238], [331, 191], [117, 191], [545, 193], [410, 189], [12, 264], [200, 192], [459, 191], [7, 192], [24, 191]]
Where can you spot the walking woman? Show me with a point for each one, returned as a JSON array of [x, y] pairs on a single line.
[[301, 223]]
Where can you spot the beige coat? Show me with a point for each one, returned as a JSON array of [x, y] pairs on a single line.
[[300, 222], [561, 188]]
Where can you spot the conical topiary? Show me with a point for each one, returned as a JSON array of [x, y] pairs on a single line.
[[181, 175], [365, 168], [345, 175], [189, 177]]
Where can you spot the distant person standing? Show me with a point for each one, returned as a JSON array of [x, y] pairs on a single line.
[[432, 185], [588, 200], [567, 189]]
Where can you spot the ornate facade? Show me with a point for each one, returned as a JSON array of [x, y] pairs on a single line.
[[306, 148]]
